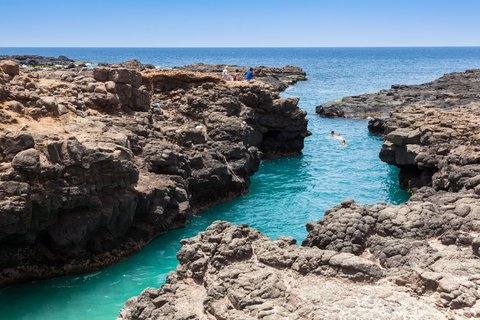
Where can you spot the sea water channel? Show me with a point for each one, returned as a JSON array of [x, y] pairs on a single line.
[[284, 194]]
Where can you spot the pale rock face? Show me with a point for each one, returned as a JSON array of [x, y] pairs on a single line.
[[234, 272]]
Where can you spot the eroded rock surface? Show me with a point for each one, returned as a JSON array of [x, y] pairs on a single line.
[[435, 146], [427, 244], [418, 260], [457, 89], [279, 78], [431, 243], [36, 60], [96, 162], [234, 272]]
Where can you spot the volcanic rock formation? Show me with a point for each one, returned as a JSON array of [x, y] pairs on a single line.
[[452, 90], [234, 272], [418, 260], [278, 78], [39, 61], [96, 162]]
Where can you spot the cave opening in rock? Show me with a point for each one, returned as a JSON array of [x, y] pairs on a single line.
[[412, 178]]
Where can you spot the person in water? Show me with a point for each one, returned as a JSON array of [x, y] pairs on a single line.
[[249, 74], [337, 135], [344, 143]]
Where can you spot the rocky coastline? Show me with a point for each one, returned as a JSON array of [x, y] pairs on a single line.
[[39, 61], [95, 162], [418, 260], [449, 91], [279, 78]]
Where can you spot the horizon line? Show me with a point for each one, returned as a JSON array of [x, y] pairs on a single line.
[[240, 47]]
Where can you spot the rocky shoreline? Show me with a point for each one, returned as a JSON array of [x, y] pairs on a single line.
[[39, 61], [279, 78], [97, 162], [419, 260], [453, 90]]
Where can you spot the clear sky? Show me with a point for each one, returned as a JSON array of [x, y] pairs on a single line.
[[241, 23]]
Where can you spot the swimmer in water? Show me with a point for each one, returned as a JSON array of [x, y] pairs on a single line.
[[337, 135], [344, 143]]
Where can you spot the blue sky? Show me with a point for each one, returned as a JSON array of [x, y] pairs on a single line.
[[242, 23]]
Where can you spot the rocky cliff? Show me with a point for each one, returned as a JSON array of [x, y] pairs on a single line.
[[419, 260], [96, 162]]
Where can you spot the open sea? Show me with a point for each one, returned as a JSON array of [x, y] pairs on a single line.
[[284, 194]]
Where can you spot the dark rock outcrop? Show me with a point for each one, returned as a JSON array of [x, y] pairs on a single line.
[[435, 146], [419, 260], [376, 126], [91, 172], [452, 90], [35, 60]]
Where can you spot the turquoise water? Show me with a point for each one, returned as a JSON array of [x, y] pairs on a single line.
[[285, 193]]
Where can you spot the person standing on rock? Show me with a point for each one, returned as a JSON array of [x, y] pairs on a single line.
[[249, 74], [225, 75], [237, 76]]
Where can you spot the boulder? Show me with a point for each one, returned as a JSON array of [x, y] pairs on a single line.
[[11, 144], [9, 67], [27, 161]]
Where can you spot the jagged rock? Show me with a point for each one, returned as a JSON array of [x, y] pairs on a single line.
[[421, 244], [90, 173], [418, 260], [11, 144], [278, 78], [35, 60], [234, 272], [15, 106], [376, 125], [452, 90]]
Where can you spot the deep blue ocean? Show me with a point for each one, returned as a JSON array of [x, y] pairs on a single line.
[[285, 193]]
